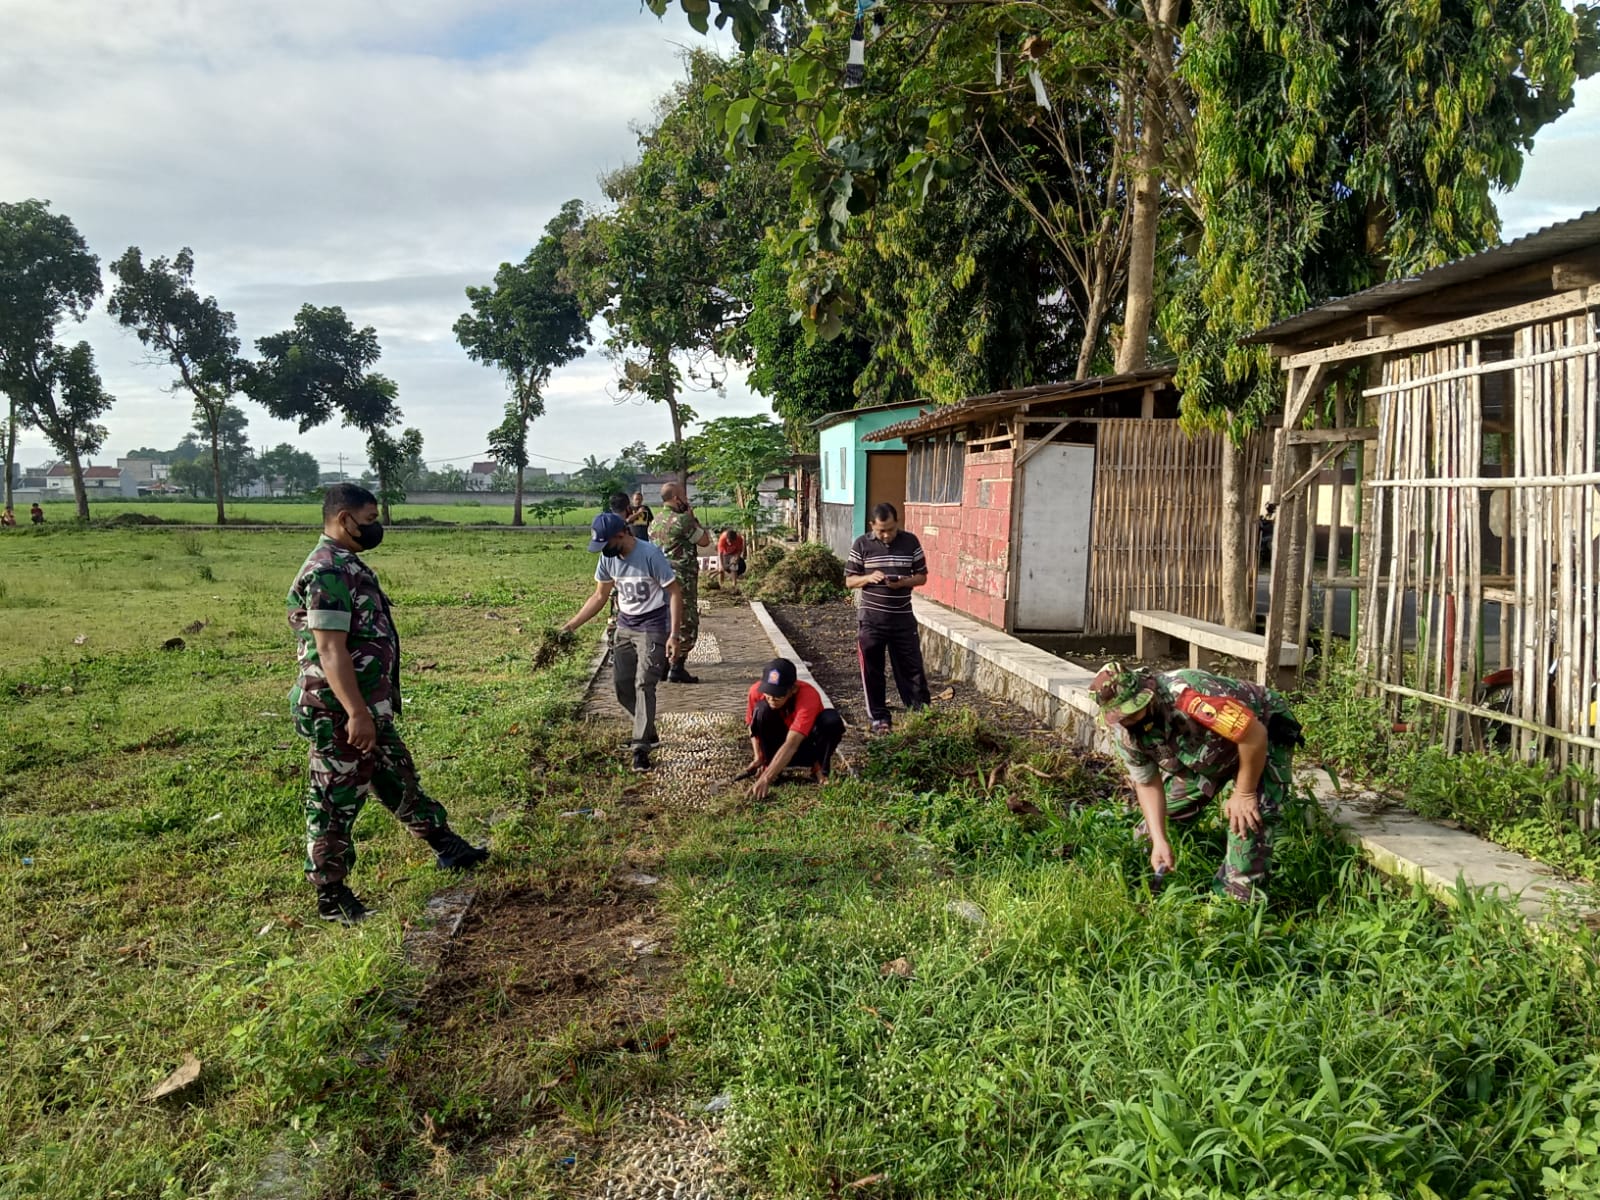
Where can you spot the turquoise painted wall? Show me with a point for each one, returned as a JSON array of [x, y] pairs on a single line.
[[844, 455]]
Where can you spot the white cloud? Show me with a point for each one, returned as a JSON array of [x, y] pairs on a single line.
[[377, 154], [1561, 178]]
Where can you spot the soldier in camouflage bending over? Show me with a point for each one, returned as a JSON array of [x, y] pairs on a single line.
[[1200, 733], [345, 702]]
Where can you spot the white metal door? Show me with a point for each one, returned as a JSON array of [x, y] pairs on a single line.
[[1052, 554]]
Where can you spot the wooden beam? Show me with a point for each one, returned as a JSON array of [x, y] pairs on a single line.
[[1566, 276], [1450, 331], [1311, 437], [1384, 326], [1034, 447], [1295, 488]]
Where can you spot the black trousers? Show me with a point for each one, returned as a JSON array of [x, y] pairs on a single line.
[[767, 727], [904, 649]]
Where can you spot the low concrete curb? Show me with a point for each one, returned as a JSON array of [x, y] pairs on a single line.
[[1406, 846], [785, 650], [1399, 843], [1052, 689]]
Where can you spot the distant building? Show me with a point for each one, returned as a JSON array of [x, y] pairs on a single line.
[[479, 477]]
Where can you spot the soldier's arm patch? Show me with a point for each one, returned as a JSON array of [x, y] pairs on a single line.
[[329, 604], [1222, 715]]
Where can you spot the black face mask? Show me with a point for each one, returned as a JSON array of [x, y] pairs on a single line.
[[611, 551], [368, 537]]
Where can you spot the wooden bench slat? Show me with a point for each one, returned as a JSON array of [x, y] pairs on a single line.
[[1238, 643]]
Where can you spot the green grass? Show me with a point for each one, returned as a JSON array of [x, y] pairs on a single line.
[[290, 512], [1083, 1039], [151, 846]]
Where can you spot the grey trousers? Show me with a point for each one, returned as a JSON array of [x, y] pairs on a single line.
[[638, 663]]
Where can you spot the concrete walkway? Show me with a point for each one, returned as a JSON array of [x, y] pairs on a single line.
[[1398, 843]]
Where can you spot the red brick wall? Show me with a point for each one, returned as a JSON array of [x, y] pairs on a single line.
[[968, 545]]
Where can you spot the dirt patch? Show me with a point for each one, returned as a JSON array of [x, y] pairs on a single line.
[[546, 958], [825, 636]]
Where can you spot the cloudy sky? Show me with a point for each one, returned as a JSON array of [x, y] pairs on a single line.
[[382, 155]]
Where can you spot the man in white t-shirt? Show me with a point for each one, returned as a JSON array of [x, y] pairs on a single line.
[[649, 615]]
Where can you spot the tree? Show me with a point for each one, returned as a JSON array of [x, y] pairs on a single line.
[[159, 303], [47, 274], [526, 325], [231, 460], [64, 406], [320, 369], [397, 462], [448, 479], [735, 455], [666, 265], [295, 471]]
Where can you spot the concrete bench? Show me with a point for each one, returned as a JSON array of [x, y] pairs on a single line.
[[1155, 631]]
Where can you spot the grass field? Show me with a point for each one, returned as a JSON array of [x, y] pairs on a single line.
[[906, 990], [150, 836], [280, 512]]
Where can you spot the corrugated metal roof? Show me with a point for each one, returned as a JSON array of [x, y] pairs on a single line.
[[1580, 233], [834, 418], [977, 407]]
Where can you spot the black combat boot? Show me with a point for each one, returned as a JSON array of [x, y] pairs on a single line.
[[455, 852], [336, 902], [680, 674]]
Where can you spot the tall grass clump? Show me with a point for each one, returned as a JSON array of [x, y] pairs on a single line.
[[1019, 1016]]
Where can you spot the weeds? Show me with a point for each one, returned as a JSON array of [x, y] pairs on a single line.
[[1062, 1033], [1530, 807], [190, 544]]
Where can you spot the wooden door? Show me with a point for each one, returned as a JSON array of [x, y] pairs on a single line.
[[886, 481]]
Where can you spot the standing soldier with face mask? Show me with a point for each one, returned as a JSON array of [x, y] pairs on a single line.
[[345, 702], [681, 537]]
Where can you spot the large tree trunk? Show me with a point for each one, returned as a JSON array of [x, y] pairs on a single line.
[[516, 504], [1148, 171], [216, 467], [8, 436], [670, 393], [78, 491], [1238, 537]]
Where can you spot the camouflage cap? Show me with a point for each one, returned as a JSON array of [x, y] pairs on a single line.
[[1122, 693]]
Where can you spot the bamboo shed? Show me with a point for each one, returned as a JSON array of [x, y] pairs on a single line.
[[1467, 399], [1060, 507]]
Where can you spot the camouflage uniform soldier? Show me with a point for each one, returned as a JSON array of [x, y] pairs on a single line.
[[681, 537], [345, 701], [1203, 732]]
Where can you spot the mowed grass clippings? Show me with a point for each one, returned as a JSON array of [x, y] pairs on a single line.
[[151, 841], [925, 992]]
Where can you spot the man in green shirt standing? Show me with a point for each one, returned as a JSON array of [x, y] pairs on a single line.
[[681, 537], [345, 702]]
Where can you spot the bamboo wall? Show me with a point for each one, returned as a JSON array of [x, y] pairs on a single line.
[[1425, 578], [1157, 513]]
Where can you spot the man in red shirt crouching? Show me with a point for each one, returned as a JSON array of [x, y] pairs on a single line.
[[789, 727]]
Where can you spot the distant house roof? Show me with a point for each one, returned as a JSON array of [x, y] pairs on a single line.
[[834, 418], [102, 473], [57, 470], [995, 403], [1578, 235], [484, 468]]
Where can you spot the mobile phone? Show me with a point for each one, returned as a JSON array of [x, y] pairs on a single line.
[[891, 578]]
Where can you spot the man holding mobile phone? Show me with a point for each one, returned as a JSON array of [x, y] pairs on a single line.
[[884, 565]]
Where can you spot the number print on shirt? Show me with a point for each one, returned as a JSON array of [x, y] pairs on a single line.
[[637, 590]]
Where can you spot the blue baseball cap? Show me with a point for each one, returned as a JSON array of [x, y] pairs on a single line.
[[606, 526]]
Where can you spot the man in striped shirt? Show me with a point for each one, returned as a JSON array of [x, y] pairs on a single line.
[[885, 565]]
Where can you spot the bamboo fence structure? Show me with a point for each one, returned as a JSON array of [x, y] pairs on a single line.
[[1427, 568], [1154, 539]]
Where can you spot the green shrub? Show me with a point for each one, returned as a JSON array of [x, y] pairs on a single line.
[[808, 574]]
